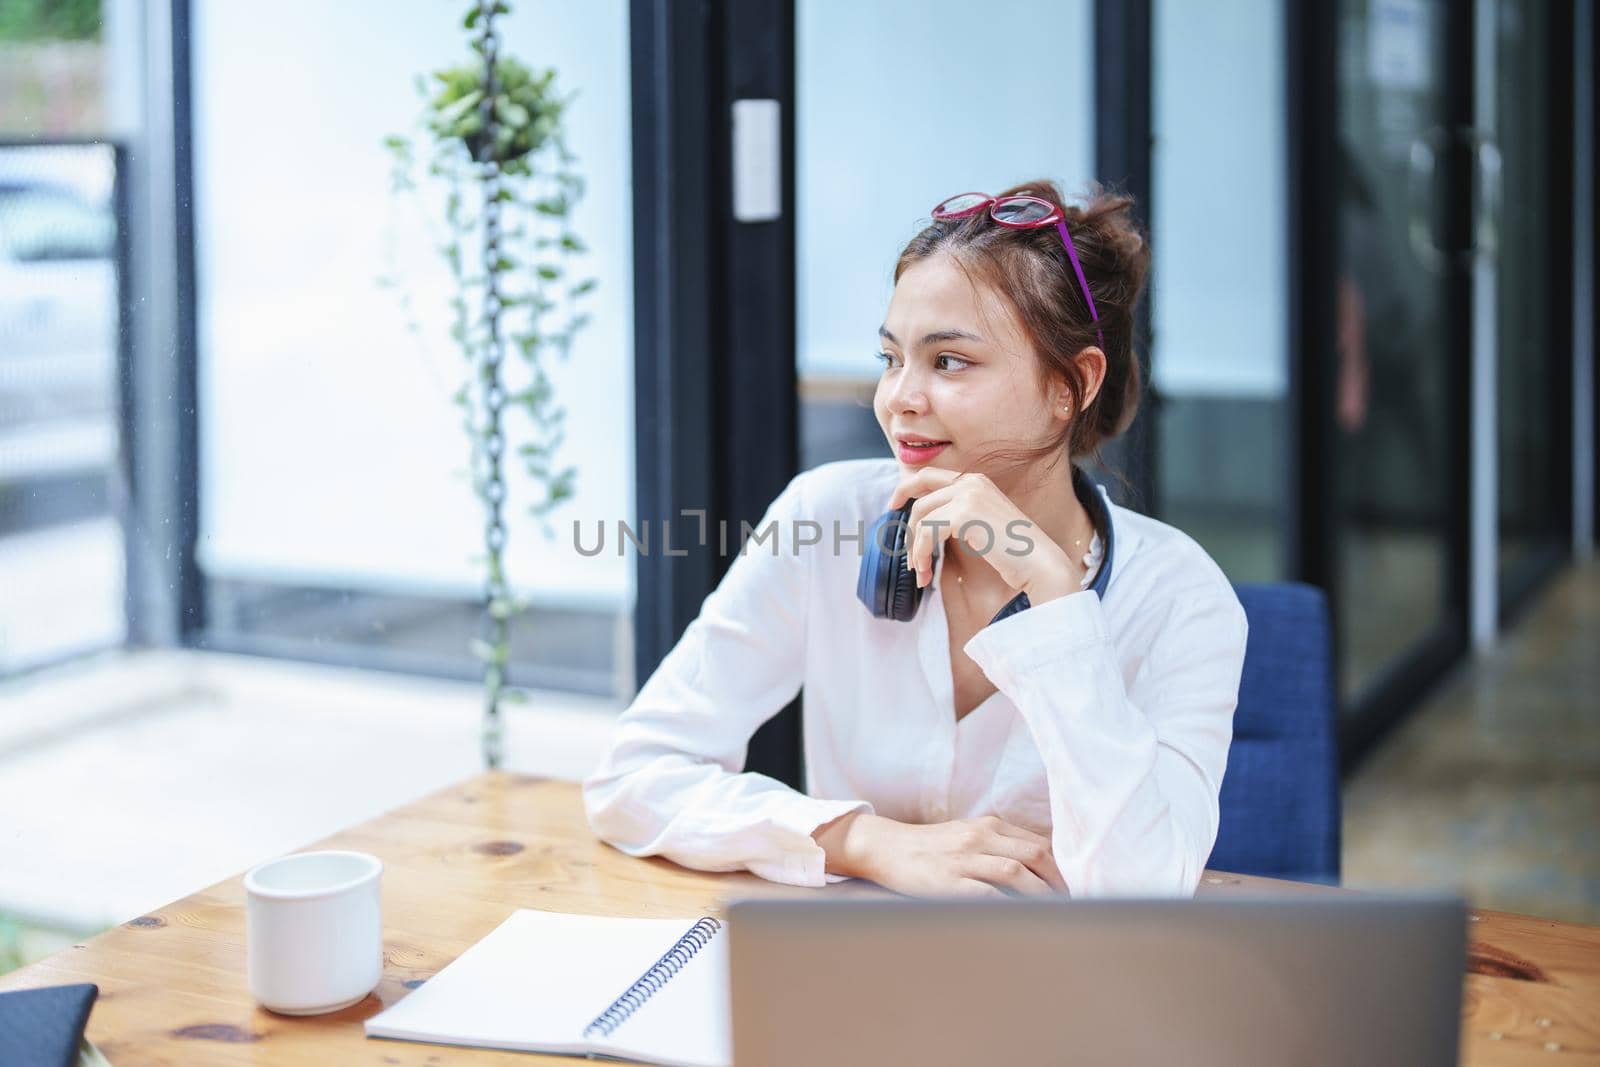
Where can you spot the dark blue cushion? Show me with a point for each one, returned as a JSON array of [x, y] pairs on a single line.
[[1280, 795]]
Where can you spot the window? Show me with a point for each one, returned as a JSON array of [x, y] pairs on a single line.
[[62, 563], [1219, 281], [336, 520]]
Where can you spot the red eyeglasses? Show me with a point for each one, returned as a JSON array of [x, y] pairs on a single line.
[[1022, 213]]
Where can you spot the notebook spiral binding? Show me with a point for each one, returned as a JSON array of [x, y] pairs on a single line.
[[649, 983]]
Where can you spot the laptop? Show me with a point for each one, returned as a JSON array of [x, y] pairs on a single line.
[[1324, 979]]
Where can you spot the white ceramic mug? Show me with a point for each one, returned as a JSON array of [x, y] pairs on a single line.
[[313, 933]]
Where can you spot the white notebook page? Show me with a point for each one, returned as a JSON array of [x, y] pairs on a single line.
[[540, 977], [686, 1022]]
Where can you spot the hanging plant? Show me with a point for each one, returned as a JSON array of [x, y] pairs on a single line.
[[491, 135]]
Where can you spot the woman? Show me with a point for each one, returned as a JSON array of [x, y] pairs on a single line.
[[1076, 746]]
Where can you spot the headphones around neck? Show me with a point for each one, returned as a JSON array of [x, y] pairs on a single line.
[[889, 589]]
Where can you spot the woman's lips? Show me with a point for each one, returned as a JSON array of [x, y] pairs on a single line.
[[917, 454]]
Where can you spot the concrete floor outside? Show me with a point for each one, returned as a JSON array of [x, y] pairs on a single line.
[[1494, 784]]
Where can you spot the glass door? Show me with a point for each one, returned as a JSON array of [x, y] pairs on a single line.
[[1399, 387]]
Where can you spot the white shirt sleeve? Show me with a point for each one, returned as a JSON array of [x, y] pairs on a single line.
[[1134, 772], [672, 783]]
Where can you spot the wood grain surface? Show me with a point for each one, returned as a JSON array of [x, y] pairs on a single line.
[[173, 990]]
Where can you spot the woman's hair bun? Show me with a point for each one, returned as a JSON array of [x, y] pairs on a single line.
[[1115, 256]]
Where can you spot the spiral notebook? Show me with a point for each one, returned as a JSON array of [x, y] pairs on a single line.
[[651, 990]]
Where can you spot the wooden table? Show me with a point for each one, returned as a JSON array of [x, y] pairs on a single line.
[[172, 983]]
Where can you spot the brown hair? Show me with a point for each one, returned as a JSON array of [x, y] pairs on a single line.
[[1030, 269]]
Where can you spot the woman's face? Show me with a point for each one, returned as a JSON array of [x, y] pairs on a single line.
[[959, 372]]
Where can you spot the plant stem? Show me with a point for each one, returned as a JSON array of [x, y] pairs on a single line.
[[496, 588]]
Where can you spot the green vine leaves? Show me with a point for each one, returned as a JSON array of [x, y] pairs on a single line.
[[536, 187]]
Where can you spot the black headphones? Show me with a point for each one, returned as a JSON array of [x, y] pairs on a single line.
[[889, 589]]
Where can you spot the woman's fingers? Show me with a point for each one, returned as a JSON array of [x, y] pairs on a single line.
[[930, 532], [921, 482], [972, 887], [1006, 872], [1032, 849]]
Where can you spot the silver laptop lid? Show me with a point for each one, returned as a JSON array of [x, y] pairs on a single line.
[[1248, 982]]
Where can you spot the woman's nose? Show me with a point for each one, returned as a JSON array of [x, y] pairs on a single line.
[[907, 393]]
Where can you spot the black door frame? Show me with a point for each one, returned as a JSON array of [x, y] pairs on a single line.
[[1123, 85], [716, 398]]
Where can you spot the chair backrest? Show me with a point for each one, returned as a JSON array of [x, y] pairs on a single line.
[[1280, 795]]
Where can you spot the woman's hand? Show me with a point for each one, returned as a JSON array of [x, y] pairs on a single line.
[[971, 509], [983, 857]]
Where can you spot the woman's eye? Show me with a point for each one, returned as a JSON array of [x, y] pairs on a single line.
[[944, 357], [885, 358]]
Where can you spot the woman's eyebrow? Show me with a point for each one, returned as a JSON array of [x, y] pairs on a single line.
[[934, 338]]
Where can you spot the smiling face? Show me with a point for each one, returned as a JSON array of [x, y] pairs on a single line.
[[959, 372]]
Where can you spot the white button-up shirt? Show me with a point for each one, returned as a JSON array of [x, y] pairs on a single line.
[[1109, 731]]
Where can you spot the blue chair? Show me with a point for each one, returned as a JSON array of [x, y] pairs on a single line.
[[1280, 795]]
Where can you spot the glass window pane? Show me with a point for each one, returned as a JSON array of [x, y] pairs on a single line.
[[335, 507], [62, 561], [945, 118], [1219, 282], [1393, 363]]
